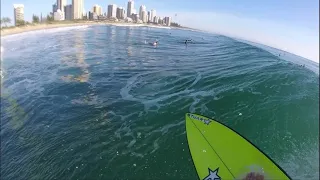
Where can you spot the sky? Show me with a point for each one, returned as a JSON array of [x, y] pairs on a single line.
[[290, 25]]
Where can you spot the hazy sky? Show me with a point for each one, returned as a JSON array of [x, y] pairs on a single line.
[[291, 25]]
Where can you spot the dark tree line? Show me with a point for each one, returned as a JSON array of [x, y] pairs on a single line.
[[175, 24], [35, 19]]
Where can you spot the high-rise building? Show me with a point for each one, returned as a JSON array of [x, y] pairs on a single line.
[[90, 15], [152, 15], [135, 17], [160, 20], [130, 8], [167, 21], [112, 11], [77, 9], [61, 4], [120, 13], [97, 9], [142, 8], [68, 12], [144, 16], [93, 16], [109, 11], [156, 19], [18, 13], [54, 8], [148, 16]]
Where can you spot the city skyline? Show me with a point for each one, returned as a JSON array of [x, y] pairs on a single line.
[[287, 25], [75, 10]]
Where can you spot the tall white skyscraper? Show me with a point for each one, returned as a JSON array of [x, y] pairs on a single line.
[[18, 12], [84, 13], [97, 9], [152, 15], [77, 9], [130, 8], [144, 16], [61, 4], [142, 8], [112, 11]]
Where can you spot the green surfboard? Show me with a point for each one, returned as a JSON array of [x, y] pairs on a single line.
[[218, 152]]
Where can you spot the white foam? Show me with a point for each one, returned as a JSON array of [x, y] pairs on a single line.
[[128, 25], [124, 92], [155, 145], [132, 142], [161, 27], [303, 162], [198, 78], [141, 25], [42, 31], [202, 93], [165, 129], [158, 100]]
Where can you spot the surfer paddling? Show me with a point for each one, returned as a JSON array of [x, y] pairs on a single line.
[[155, 43]]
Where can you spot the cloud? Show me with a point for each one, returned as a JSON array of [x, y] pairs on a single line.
[[297, 40]]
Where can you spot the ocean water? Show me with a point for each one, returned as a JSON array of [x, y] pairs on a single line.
[[98, 102]]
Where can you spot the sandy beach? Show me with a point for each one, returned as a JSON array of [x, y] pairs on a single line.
[[34, 27]]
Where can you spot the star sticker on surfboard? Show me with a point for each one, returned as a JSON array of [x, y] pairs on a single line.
[[213, 175], [207, 122]]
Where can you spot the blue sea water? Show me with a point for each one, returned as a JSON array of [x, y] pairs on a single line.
[[99, 102]]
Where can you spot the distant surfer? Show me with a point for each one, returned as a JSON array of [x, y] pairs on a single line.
[[155, 43], [187, 40]]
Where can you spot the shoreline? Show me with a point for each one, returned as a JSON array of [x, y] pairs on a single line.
[[35, 27]]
